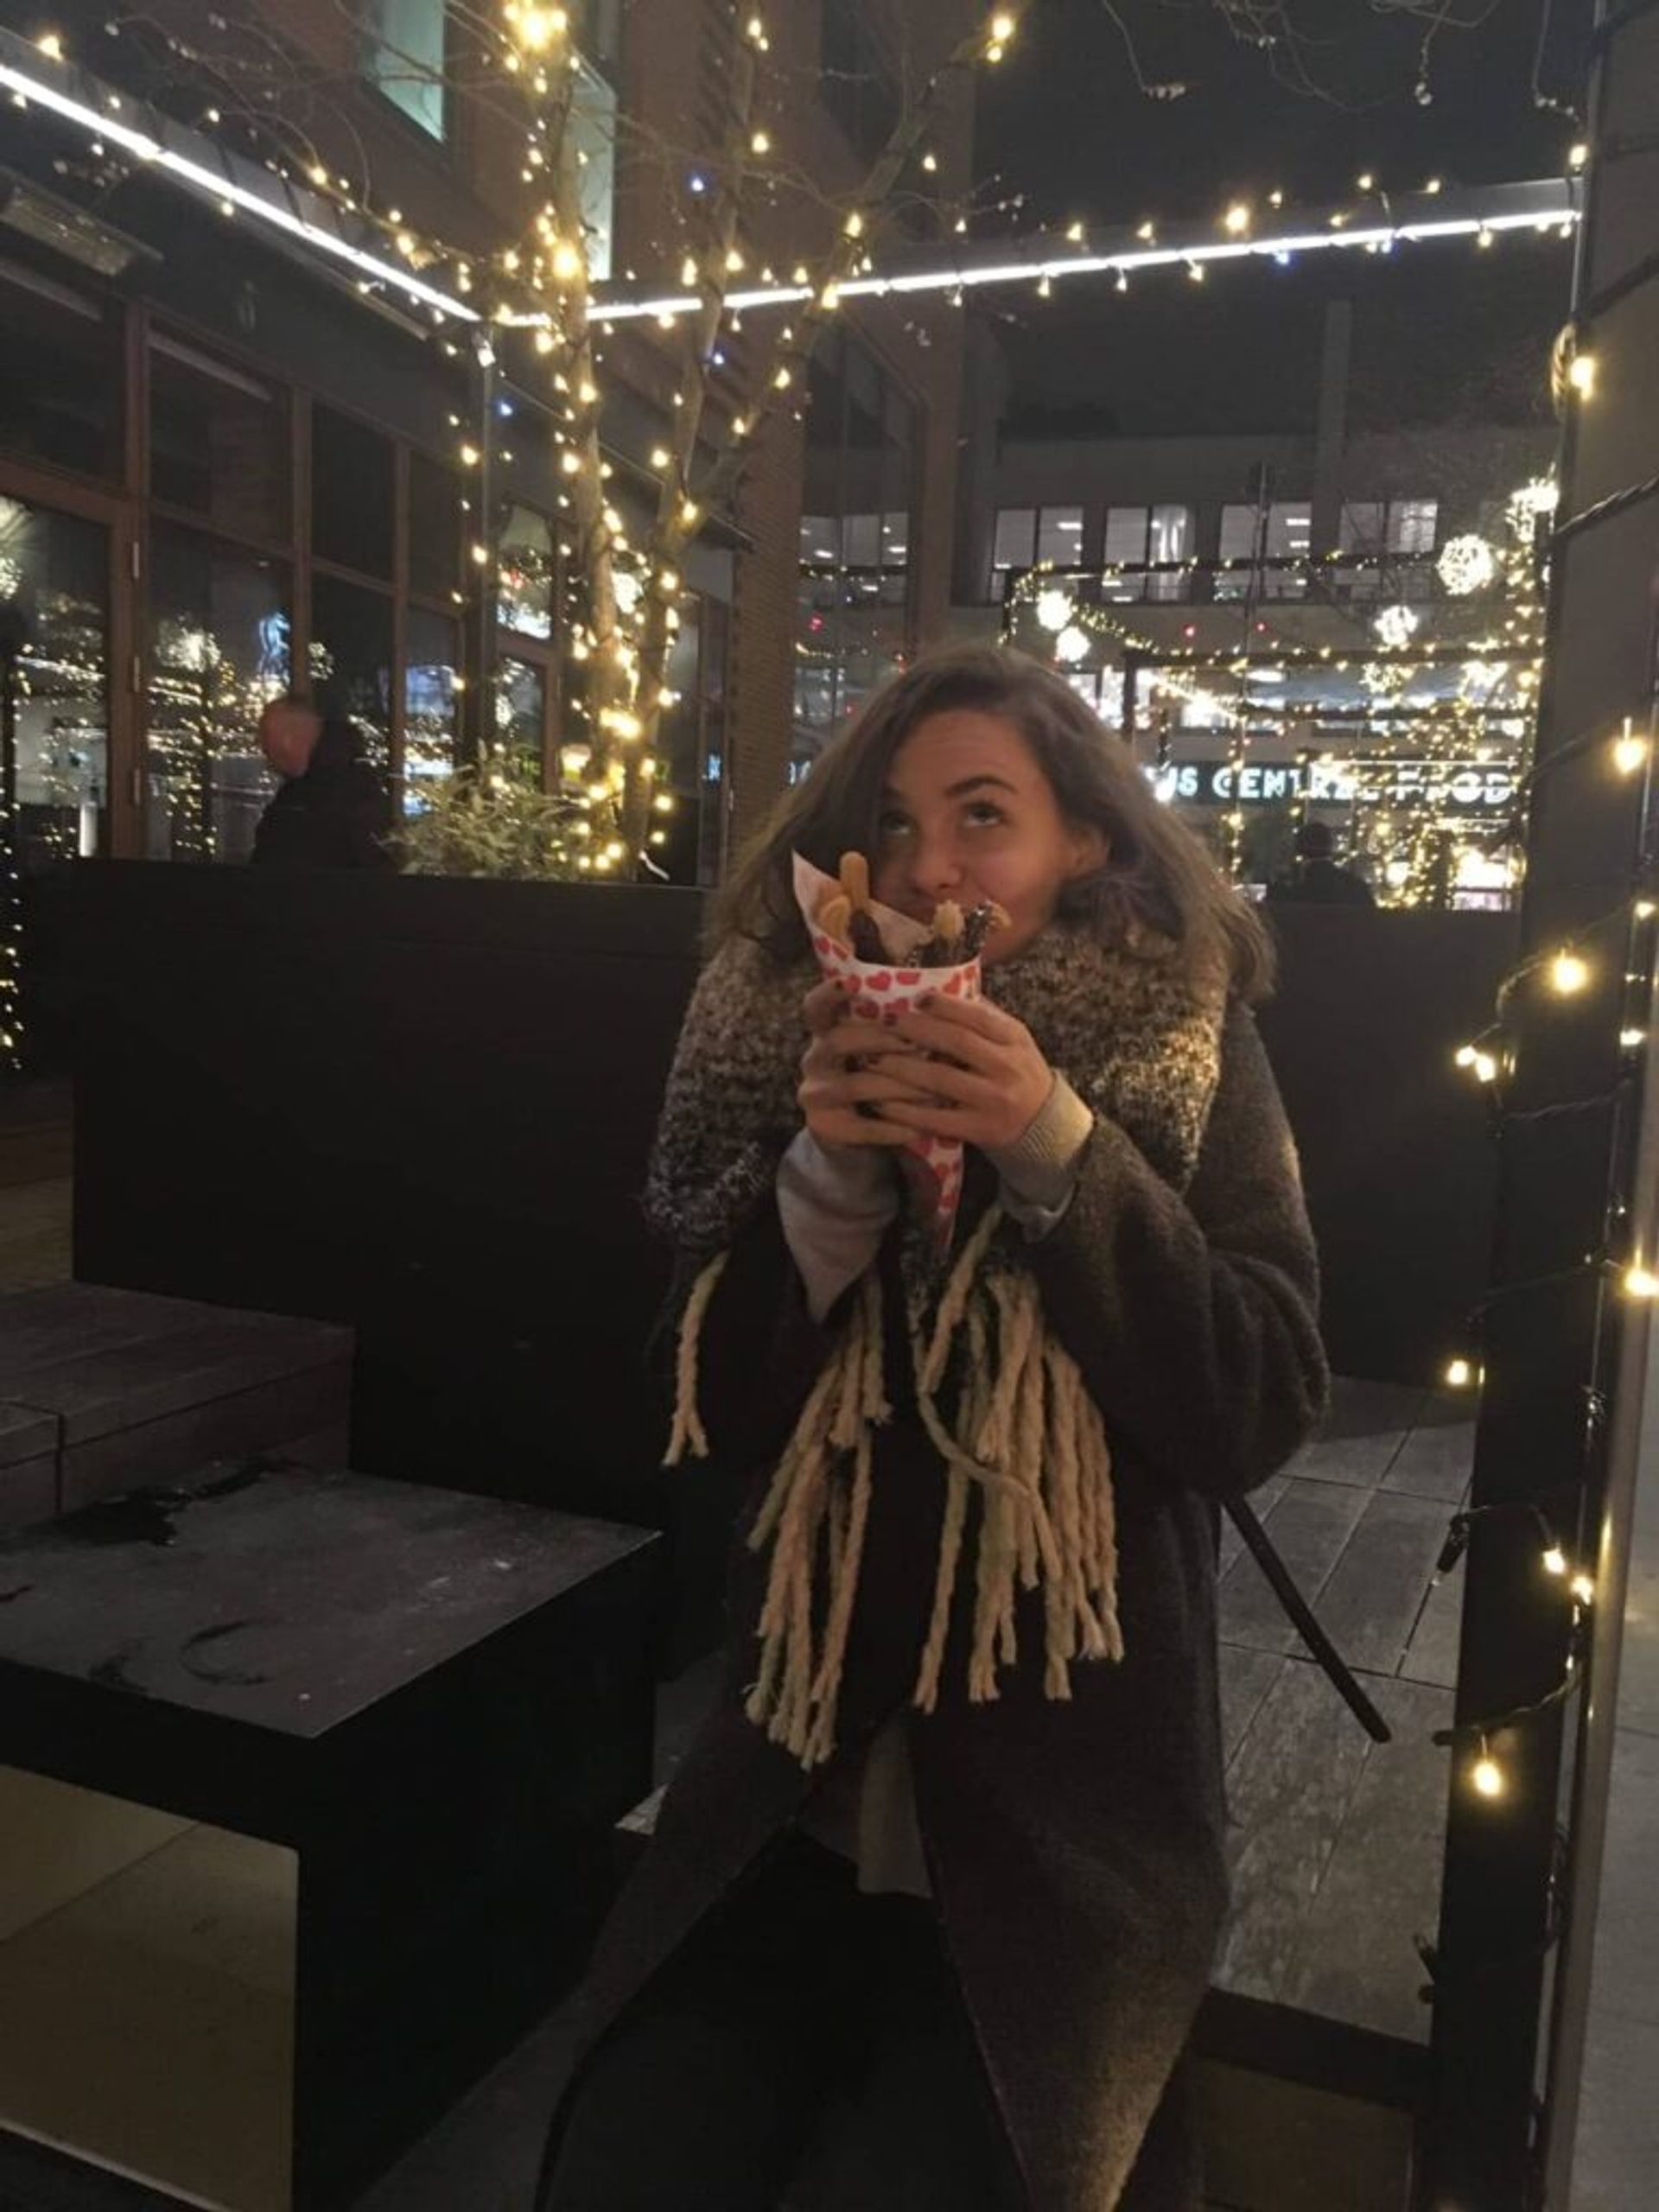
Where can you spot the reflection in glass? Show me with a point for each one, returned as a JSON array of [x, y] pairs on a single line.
[[351, 660], [520, 714], [54, 571], [219, 648], [59, 375], [217, 442], [352, 495], [526, 573], [429, 699], [433, 528], [853, 627]]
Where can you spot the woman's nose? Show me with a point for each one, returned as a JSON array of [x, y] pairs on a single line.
[[934, 868]]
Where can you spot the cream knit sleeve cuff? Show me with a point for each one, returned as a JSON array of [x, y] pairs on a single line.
[[1040, 1171]]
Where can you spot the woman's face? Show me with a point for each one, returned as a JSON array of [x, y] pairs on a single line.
[[969, 815]]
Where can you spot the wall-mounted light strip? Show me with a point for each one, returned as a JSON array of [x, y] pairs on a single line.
[[225, 191], [1552, 210]]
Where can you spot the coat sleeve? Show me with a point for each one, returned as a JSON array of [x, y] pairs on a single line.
[[1194, 1319]]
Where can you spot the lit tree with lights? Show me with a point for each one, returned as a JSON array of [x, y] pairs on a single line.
[[622, 594]]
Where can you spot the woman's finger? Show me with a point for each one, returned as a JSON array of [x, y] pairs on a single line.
[[824, 1005]]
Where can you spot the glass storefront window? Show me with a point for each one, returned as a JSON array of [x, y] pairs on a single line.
[[526, 574], [430, 703], [351, 660], [406, 57], [854, 622], [219, 648], [1059, 536], [433, 528], [55, 575], [60, 374], [520, 714], [351, 493], [217, 442]]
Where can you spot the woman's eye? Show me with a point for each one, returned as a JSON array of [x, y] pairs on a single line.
[[891, 826], [982, 815]]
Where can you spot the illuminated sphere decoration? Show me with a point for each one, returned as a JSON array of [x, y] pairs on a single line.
[[1396, 628], [1054, 609], [1467, 564], [1071, 644]]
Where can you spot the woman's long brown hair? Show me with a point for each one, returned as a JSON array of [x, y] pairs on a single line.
[[1160, 888]]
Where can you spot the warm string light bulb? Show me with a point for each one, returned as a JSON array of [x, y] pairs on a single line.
[[1581, 375], [1486, 1775], [1641, 1282], [1555, 1560], [1629, 749], [1459, 1374], [1568, 972]]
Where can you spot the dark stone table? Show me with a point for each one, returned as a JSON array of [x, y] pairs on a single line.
[[441, 1702]]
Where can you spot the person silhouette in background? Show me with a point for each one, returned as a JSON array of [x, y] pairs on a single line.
[[331, 811], [1318, 879]]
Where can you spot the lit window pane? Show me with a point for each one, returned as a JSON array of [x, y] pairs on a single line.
[[429, 703], [1361, 527], [895, 541], [820, 538], [218, 441], [405, 58], [1411, 525], [1059, 536], [1126, 547], [860, 541], [219, 648], [1015, 530], [1168, 539], [525, 599], [54, 571]]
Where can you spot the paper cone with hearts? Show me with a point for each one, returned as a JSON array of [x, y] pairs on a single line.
[[883, 990]]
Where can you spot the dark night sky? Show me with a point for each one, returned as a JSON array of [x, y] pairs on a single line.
[[1061, 122]]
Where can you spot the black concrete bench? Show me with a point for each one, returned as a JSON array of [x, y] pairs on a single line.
[[439, 1702], [103, 1389]]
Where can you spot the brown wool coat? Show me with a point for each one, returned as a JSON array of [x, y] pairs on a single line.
[[1075, 1849]]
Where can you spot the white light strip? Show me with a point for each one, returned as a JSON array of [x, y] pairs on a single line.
[[222, 189], [1380, 237]]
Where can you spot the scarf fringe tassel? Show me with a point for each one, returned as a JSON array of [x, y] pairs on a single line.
[[1026, 1439]]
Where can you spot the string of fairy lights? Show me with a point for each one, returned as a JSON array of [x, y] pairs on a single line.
[[1492, 596], [621, 600]]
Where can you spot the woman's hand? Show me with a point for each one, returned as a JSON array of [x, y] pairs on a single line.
[[850, 1065], [984, 1083]]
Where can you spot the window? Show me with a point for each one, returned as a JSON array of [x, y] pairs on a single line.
[[351, 658], [1168, 539], [855, 588], [1285, 536], [1011, 546], [1411, 525], [1136, 538], [433, 528], [219, 648], [406, 57], [1125, 546], [592, 126], [432, 655], [353, 497], [217, 442], [521, 715], [1059, 535], [59, 375], [526, 571], [856, 77], [55, 569], [1024, 535]]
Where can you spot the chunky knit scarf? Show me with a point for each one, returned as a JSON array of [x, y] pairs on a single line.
[[1002, 1401]]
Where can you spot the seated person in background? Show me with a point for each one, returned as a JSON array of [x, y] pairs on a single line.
[[331, 811], [1317, 879]]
